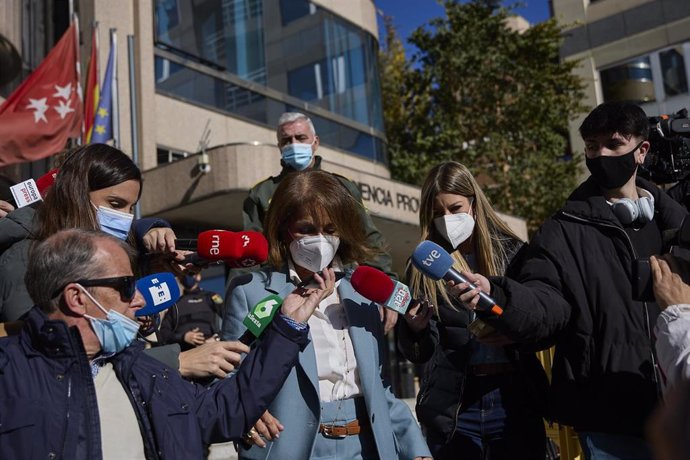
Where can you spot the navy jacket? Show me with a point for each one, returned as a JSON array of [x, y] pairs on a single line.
[[48, 405]]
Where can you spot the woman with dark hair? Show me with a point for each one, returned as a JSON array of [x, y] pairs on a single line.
[[334, 403], [478, 398], [96, 189]]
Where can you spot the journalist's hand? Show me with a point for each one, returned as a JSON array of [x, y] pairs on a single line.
[[212, 359], [669, 288], [470, 298], [5, 208], [418, 315]]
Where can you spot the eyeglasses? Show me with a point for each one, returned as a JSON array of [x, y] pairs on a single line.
[[125, 285]]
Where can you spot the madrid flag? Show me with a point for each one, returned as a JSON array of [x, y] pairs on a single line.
[[39, 116]]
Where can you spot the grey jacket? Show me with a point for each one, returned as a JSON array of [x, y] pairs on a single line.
[[672, 332]]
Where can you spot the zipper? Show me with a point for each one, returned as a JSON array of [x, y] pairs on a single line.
[[648, 330]]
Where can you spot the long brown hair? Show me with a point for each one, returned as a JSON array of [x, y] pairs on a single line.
[[317, 193], [489, 236], [88, 168]]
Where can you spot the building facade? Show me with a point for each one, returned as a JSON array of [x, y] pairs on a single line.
[[634, 50]]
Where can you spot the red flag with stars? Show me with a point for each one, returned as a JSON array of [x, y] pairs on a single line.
[[39, 116]]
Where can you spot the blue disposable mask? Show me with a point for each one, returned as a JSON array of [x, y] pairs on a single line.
[[115, 332], [114, 222], [297, 156]]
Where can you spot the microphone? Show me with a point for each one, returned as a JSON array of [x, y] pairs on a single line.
[[259, 317], [380, 288], [433, 261], [32, 191], [237, 249], [160, 291]]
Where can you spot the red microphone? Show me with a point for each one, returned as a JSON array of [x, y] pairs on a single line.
[[380, 288], [46, 181], [237, 249]]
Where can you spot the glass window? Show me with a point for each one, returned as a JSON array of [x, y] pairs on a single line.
[[184, 83], [673, 71], [630, 81], [290, 46]]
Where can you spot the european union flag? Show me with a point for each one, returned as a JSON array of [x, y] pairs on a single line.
[[103, 122]]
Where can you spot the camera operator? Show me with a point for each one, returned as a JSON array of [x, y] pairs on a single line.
[[572, 287], [672, 329]]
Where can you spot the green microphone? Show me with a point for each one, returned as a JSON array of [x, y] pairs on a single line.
[[258, 319]]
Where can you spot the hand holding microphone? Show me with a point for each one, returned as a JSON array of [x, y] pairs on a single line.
[[378, 287], [299, 305], [433, 261]]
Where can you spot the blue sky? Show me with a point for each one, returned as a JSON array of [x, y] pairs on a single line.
[[410, 14]]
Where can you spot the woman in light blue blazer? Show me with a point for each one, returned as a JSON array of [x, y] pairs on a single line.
[[334, 403]]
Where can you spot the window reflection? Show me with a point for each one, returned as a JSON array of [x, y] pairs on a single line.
[[631, 81], [673, 71], [291, 46]]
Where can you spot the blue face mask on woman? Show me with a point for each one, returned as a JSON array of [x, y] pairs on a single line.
[[113, 222], [297, 156], [115, 332]]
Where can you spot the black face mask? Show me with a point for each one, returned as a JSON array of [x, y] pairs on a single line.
[[613, 172]]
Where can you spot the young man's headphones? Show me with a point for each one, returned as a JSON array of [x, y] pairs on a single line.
[[628, 211]]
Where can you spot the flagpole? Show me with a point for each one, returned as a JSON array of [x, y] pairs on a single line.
[[133, 111], [116, 100], [78, 89]]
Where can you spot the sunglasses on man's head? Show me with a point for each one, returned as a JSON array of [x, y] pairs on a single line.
[[125, 285]]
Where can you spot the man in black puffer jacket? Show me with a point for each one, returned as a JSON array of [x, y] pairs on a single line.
[[572, 287]]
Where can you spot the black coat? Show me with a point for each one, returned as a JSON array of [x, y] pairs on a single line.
[[446, 347], [572, 287]]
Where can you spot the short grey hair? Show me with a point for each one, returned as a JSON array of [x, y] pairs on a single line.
[[291, 117], [63, 258]]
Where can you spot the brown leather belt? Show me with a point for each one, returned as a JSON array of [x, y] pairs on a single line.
[[340, 431], [484, 369]]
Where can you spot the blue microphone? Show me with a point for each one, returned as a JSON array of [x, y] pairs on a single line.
[[434, 262], [160, 291]]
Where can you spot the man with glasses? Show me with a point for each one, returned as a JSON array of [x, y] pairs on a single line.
[[572, 286], [75, 383], [298, 142]]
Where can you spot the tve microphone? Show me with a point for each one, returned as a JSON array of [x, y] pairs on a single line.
[[380, 288], [160, 291], [258, 319], [433, 261]]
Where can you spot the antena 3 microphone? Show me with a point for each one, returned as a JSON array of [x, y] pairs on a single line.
[[160, 291], [380, 288], [434, 262]]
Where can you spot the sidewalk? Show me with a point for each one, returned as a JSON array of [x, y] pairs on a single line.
[[226, 451]]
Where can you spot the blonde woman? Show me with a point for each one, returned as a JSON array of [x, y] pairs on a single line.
[[479, 397]]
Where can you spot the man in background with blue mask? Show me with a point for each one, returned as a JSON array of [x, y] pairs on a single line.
[[76, 384], [298, 143]]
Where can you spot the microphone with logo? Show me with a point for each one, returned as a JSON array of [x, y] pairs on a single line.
[[380, 288], [434, 262], [237, 249], [259, 317], [160, 291], [32, 191]]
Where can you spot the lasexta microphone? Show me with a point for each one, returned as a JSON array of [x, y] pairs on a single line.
[[259, 317], [434, 262], [160, 291], [380, 288]]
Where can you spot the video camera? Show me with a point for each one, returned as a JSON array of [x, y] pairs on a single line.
[[677, 243], [668, 159]]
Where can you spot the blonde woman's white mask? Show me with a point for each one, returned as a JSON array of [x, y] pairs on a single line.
[[455, 228]]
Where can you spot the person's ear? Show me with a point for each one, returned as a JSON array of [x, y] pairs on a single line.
[[74, 300], [642, 151], [316, 144]]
